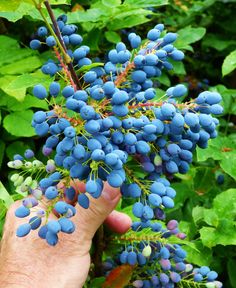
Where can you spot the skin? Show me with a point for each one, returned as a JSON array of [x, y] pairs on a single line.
[[30, 262]]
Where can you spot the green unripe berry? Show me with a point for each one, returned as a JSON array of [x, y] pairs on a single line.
[[19, 181], [24, 188], [28, 181], [14, 177], [51, 161], [210, 285], [28, 165], [147, 251], [37, 164], [34, 184]]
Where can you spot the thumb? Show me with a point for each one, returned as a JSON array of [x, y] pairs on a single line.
[[89, 220]]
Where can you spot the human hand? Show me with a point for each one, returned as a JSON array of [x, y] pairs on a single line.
[[31, 262]]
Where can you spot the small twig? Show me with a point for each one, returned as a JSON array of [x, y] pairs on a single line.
[[65, 54], [58, 38], [65, 68]]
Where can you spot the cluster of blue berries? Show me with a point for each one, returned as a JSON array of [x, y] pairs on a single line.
[[156, 254], [105, 130]]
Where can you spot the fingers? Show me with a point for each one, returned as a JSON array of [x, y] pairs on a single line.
[[118, 222], [89, 220]]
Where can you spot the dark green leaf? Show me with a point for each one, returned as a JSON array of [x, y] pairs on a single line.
[[112, 37]]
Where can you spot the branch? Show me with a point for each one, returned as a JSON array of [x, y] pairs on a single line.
[[62, 44]]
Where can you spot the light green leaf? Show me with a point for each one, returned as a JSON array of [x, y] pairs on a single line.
[[229, 63], [14, 10], [112, 37], [19, 124], [129, 18], [3, 211], [29, 102], [111, 3], [189, 35], [5, 196], [25, 65], [210, 217], [198, 214], [89, 67], [16, 86], [201, 256], [146, 3], [91, 15], [223, 149], [226, 235], [217, 149], [225, 204]]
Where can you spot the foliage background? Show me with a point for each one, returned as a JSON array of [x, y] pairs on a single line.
[[207, 34]]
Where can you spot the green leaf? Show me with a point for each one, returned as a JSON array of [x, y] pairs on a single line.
[[229, 63], [16, 12], [231, 264], [17, 146], [146, 3], [164, 79], [112, 37], [126, 19], [5, 196], [92, 39], [225, 236], [10, 51], [222, 216], [19, 123], [28, 102], [111, 3], [2, 150], [25, 65], [204, 179], [228, 164], [201, 256], [229, 98], [225, 204], [198, 214], [89, 67], [97, 282], [216, 41], [223, 149], [3, 211], [217, 149], [16, 86], [211, 217], [189, 35], [59, 2], [90, 15], [178, 68]]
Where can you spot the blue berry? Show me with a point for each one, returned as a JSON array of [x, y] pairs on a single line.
[[40, 91], [23, 230]]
